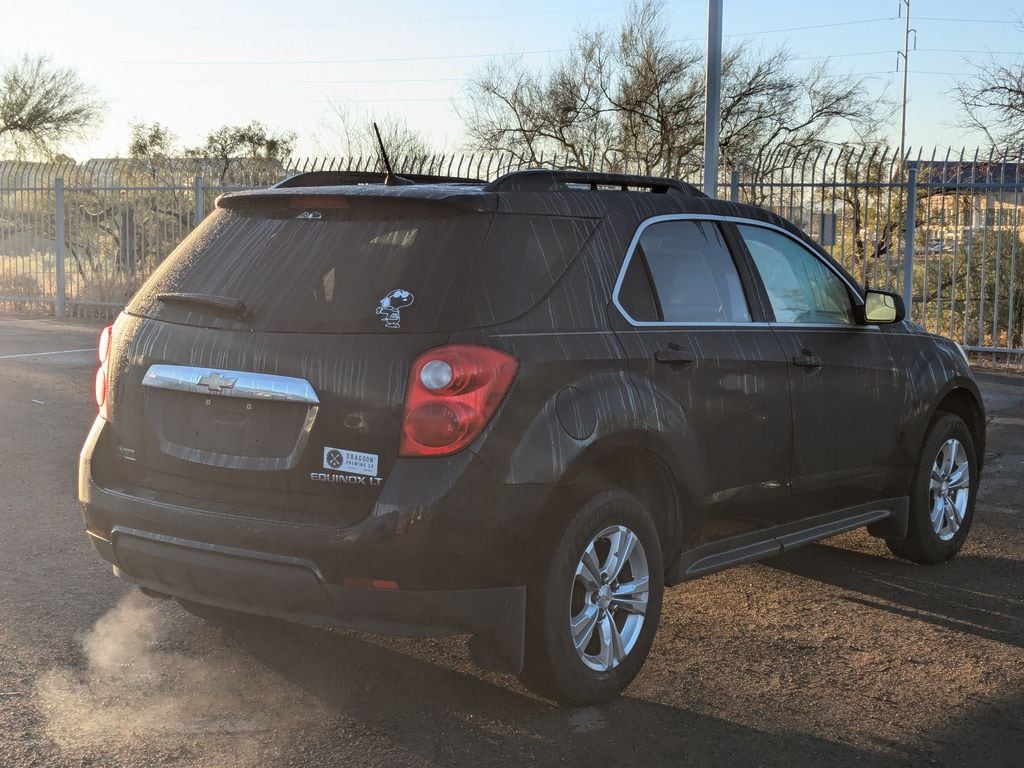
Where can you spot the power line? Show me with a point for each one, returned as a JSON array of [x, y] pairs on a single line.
[[290, 81], [966, 21], [916, 50], [887, 52], [221, 63], [189, 100], [967, 50], [763, 32], [813, 26], [488, 55], [402, 80], [192, 100], [318, 25], [914, 73]]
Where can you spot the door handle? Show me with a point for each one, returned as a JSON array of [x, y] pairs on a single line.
[[674, 355], [806, 360]]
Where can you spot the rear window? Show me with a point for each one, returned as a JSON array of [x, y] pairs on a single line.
[[524, 256], [394, 268]]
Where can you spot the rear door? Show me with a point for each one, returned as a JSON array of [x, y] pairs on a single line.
[[847, 395], [262, 370], [711, 374]]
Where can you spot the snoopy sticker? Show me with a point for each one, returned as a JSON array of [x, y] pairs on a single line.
[[391, 306]]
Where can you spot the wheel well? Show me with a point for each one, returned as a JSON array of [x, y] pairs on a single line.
[[962, 403], [636, 470]]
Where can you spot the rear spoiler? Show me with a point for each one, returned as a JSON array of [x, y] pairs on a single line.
[[311, 199], [347, 178]]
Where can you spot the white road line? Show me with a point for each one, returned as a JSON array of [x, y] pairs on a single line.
[[41, 354]]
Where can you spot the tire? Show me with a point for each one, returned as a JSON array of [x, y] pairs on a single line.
[[562, 590], [941, 507]]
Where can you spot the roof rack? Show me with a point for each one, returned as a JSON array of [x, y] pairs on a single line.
[[543, 180], [345, 178]]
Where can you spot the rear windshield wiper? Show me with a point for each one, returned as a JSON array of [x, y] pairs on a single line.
[[224, 304]]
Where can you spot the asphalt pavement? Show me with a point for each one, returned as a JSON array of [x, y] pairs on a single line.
[[836, 654]]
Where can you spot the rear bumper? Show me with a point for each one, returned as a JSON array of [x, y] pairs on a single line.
[[460, 545], [293, 589]]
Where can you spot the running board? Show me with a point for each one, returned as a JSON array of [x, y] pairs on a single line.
[[774, 541]]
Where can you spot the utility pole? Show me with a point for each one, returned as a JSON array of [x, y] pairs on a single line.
[[905, 55], [713, 97], [911, 188]]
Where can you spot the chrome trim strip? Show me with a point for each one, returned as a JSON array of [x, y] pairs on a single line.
[[254, 386], [732, 220], [855, 327]]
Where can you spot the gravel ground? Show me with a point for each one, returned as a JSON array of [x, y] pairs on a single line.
[[836, 654]]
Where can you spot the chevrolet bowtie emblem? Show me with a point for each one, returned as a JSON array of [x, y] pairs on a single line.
[[214, 382]]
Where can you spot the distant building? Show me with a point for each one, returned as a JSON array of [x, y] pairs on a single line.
[[965, 199]]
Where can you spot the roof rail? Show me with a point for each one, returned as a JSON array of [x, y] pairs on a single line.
[[544, 180], [345, 178]]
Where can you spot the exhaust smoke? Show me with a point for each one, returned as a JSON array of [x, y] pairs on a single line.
[[150, 676]]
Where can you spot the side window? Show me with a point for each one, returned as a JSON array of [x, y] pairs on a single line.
[[800, 287], [682, 272], [522, 258]]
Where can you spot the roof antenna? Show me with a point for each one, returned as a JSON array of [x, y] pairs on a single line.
[[390, 179]]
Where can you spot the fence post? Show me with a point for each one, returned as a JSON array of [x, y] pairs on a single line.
[[198, 200], [908, 243], [59, 299], [734, 187]]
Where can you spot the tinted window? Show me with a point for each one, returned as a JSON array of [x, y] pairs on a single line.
[[323, 275], [682, 272], [521, 259], [799, 285]]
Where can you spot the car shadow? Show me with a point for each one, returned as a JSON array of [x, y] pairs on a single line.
[[427, 705], [956, 742], [973, 594]]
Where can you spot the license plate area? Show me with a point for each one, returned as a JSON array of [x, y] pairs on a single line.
[[257, 425], [225, 424]]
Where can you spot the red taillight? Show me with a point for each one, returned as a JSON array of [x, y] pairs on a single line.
[[104, 345], [453, 392], [100, 385]]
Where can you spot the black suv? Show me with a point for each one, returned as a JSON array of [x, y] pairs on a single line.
[[514, 410]]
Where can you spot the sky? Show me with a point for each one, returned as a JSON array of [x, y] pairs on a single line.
[[195, 66]]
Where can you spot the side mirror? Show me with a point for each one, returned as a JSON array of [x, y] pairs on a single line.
[[882, 307]]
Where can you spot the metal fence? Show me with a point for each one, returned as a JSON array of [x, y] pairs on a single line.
[[945, 230]]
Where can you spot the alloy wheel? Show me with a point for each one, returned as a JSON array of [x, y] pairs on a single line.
[[609, 598], [949, 488]]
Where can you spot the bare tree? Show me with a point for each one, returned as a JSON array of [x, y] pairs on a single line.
[[992, 100], [42, 106], [351, 136], [634, 99], [772, 113]]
